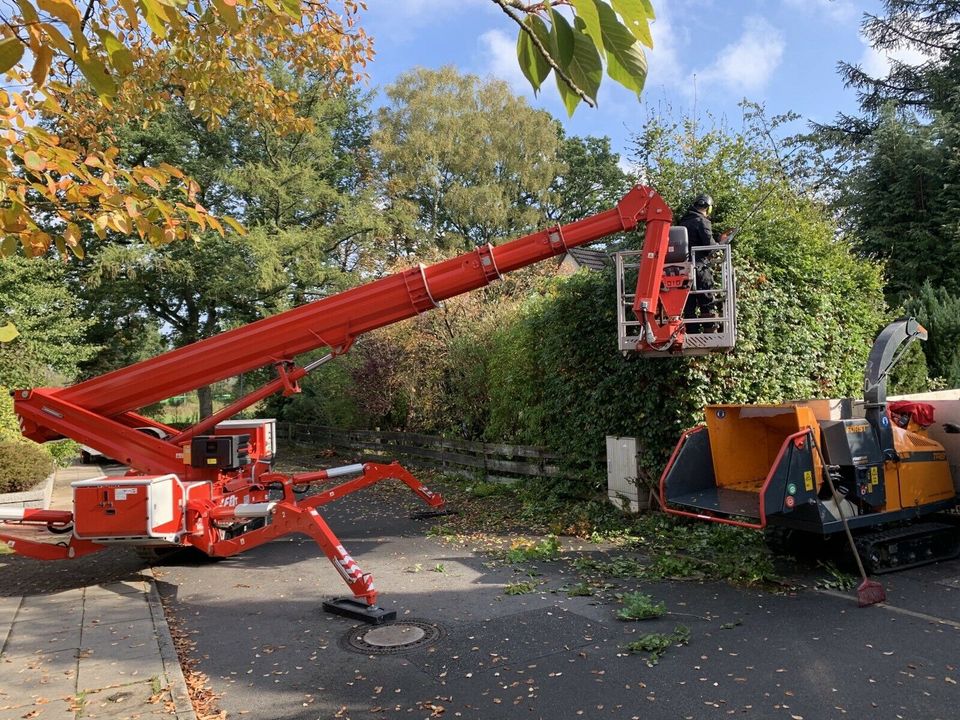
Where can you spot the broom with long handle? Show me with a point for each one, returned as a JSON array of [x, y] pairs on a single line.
[[869, 592]]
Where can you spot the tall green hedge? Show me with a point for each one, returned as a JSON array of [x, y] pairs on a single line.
[[808, 311]]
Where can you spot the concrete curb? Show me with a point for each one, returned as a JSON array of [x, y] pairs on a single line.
[[168, 654]]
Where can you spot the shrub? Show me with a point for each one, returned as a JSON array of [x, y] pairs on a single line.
[[22, 465], [63, 452]]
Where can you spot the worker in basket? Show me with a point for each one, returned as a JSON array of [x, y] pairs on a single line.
[[700, 234]]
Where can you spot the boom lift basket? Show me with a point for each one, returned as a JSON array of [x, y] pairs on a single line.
[[701, 336]]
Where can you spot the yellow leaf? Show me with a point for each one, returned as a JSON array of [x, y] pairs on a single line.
[[152, 13], [71, 238], [171, 170], [143, 226], [8, 332], [237, 227], [96, 72], [71, 235], [132, 209], [215, 224], [100, 226], [28, 11], [11, 50], [228, 13], [64, 10], [8, 248], [120, 56], [13, 219], [38, 243], [33, 161], [195, 217], [41, 66], [130, 8], [59, 42], [36, 38]]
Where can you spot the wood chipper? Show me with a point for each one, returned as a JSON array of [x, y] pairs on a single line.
[[766, 467]]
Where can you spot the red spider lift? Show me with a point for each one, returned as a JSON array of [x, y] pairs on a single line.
[[212, 486]]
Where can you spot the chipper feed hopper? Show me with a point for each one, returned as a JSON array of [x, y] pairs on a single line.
[[764, 466]]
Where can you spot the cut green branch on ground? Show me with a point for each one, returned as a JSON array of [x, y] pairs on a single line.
[[525, 550], [581, 589], [836, 579], [523, 587], [656, 644], [640, 606]]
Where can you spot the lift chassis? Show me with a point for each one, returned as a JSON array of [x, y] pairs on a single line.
[[212, 486]]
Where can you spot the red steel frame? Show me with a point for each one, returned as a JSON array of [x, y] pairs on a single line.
[[100, 412]]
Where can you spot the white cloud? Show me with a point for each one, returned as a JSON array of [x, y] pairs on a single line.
[[665, 67], [499, 52], [876, 63], [840, 11], [748, 64]]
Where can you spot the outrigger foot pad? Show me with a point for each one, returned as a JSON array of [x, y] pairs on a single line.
[[354, 609]]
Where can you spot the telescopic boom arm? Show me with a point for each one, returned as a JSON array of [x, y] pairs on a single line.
[[336, 321]]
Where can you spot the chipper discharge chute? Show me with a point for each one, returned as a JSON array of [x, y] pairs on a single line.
[[770, 466]]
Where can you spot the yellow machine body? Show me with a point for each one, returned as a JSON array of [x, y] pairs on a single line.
[[922, 476]]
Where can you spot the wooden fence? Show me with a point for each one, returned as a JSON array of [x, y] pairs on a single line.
[[495, 461]]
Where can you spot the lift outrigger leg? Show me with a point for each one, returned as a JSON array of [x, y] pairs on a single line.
[[292, 516]]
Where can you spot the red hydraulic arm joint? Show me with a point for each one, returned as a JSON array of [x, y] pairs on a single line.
[[659, 300]]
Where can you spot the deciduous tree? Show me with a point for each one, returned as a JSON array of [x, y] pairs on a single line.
[[462, 161], [94, 66]]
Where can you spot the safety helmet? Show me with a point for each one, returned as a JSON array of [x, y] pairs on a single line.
[[704, 202]]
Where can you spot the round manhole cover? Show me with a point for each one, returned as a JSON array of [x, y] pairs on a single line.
[[398, 637]]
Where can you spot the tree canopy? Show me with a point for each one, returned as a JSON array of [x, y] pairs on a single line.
[[98, 65], [461, 161], [82, 68], [892, 170]]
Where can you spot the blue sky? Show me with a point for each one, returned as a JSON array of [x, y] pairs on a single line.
[[708, 55]]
